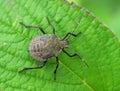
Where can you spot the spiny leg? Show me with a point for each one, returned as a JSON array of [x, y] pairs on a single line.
[[69, 33], [30, 68], [53, 29], [75, 54], [57, 64], [38, 27]]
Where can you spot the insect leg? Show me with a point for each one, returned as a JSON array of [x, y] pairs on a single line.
[[33, 27], [24, 69], [57, 64], [53, 29], [69, 33], [75, 54]]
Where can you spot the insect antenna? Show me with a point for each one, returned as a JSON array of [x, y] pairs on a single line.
[[75, 28]]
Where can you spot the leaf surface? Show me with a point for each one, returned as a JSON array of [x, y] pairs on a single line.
[[97, 45]]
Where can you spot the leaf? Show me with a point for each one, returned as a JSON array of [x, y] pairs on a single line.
[[75, 1], [107, 11], [96, 44]]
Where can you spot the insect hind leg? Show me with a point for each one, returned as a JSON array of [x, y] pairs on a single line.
[[30, 68]]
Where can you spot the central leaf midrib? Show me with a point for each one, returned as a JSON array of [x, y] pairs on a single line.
[[83, 81]]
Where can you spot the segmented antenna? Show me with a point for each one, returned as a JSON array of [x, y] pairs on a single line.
[[75, 28]]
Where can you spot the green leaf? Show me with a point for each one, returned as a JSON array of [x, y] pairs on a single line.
[[97, 45], [107, 11], [75, 1]]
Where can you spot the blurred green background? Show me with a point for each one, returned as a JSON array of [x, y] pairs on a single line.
[[107, 11]]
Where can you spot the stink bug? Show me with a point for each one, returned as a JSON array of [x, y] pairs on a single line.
[[45, 46]]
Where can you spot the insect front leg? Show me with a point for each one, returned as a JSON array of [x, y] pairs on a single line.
[[75, 28], [38, 27], [30, 68], [75, 54], [57, 64], [69, 33]]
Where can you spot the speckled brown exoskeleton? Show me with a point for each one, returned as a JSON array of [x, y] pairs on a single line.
[[45, 46]]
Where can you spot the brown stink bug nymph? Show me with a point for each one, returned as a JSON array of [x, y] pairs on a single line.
[[45, 46]]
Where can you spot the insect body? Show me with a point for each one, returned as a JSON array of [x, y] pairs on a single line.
[[45, 46]]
